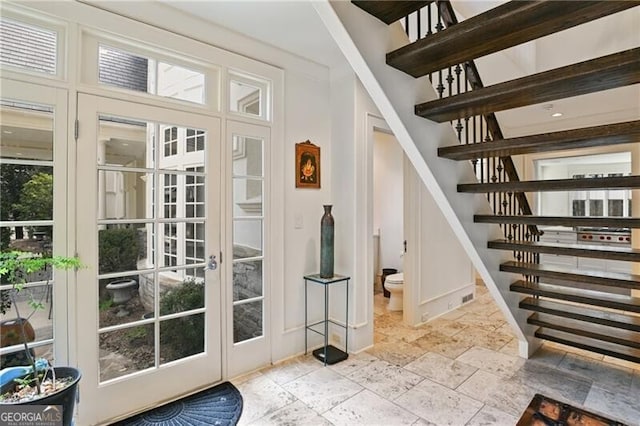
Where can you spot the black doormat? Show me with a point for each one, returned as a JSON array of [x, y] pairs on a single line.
[[544, 411], [219, 405]]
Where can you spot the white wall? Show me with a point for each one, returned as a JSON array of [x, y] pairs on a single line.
[[307, 112], [444, 271], [388, 208]]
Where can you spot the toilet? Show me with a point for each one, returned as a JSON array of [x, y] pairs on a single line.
[[394, 283]]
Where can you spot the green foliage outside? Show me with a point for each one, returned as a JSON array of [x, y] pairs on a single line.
[[118, 249], [182, 337], [13, 178]]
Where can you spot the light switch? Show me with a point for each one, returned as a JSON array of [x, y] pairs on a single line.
[[298, 222]]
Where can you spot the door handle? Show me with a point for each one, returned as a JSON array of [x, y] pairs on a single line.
[[212, 264]]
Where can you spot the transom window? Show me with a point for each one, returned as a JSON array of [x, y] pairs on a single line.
[[28, 47], [131, 71], [249, 96]]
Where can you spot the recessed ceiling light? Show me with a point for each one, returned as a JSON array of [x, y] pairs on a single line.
[[556, 114], [125, 144], [7, 132], [19, 154]]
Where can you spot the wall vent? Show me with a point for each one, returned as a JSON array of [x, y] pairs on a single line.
[[467, 298]]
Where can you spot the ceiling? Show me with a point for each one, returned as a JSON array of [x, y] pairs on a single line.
[[298, 28], [294, 26]]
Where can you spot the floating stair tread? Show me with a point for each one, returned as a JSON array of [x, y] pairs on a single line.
[[607, 72], [578, 295], [592, 331], [610, 222], [612, 252], [605, 348], [497, 29], [588, 137], [390, 11], [613, 279], [582, 313], [626, 182]]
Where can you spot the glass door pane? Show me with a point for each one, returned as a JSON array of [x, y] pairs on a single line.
[[26, 224]]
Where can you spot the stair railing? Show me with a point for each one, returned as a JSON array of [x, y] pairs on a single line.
[[435, 17]]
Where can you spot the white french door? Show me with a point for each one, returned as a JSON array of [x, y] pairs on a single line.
[[34, 175], [247, 225], [148, 217]]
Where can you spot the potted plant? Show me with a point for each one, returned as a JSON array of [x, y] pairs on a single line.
[[36, 382]]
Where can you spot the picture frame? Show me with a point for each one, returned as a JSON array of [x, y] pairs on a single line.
[[307, 167]]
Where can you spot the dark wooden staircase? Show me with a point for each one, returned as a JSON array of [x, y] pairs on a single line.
[[565, 307]]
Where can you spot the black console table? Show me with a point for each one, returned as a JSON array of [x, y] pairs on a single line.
[[328, 354]]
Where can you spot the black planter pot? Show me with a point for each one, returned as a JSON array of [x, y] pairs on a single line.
[[65, 397]]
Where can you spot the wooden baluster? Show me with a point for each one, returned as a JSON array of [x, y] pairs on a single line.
[[419, 36]]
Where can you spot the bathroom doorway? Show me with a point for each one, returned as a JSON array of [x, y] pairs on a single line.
[[388, 210]]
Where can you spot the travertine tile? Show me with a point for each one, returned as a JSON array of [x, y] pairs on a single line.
[[548, 355], [403, 332], [505, 394], [439, 404], [441, 369], [483, 337], [573, 350], [506, 329], [368, 408], [291, 369], [462, 368], [635, 384], [554, 382], [237, 381], [490, 416], [423, 422], [388, 381], [481, 321], [353, 363], [615, 405], [322, 389], [621, 362], [397, 353], [445, 326], [262, 396], [294, 414], [606, 375], [449, 346], [491, 361], [452, 315], [511, 348]]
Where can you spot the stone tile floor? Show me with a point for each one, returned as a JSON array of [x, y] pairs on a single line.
[[460, 369]]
